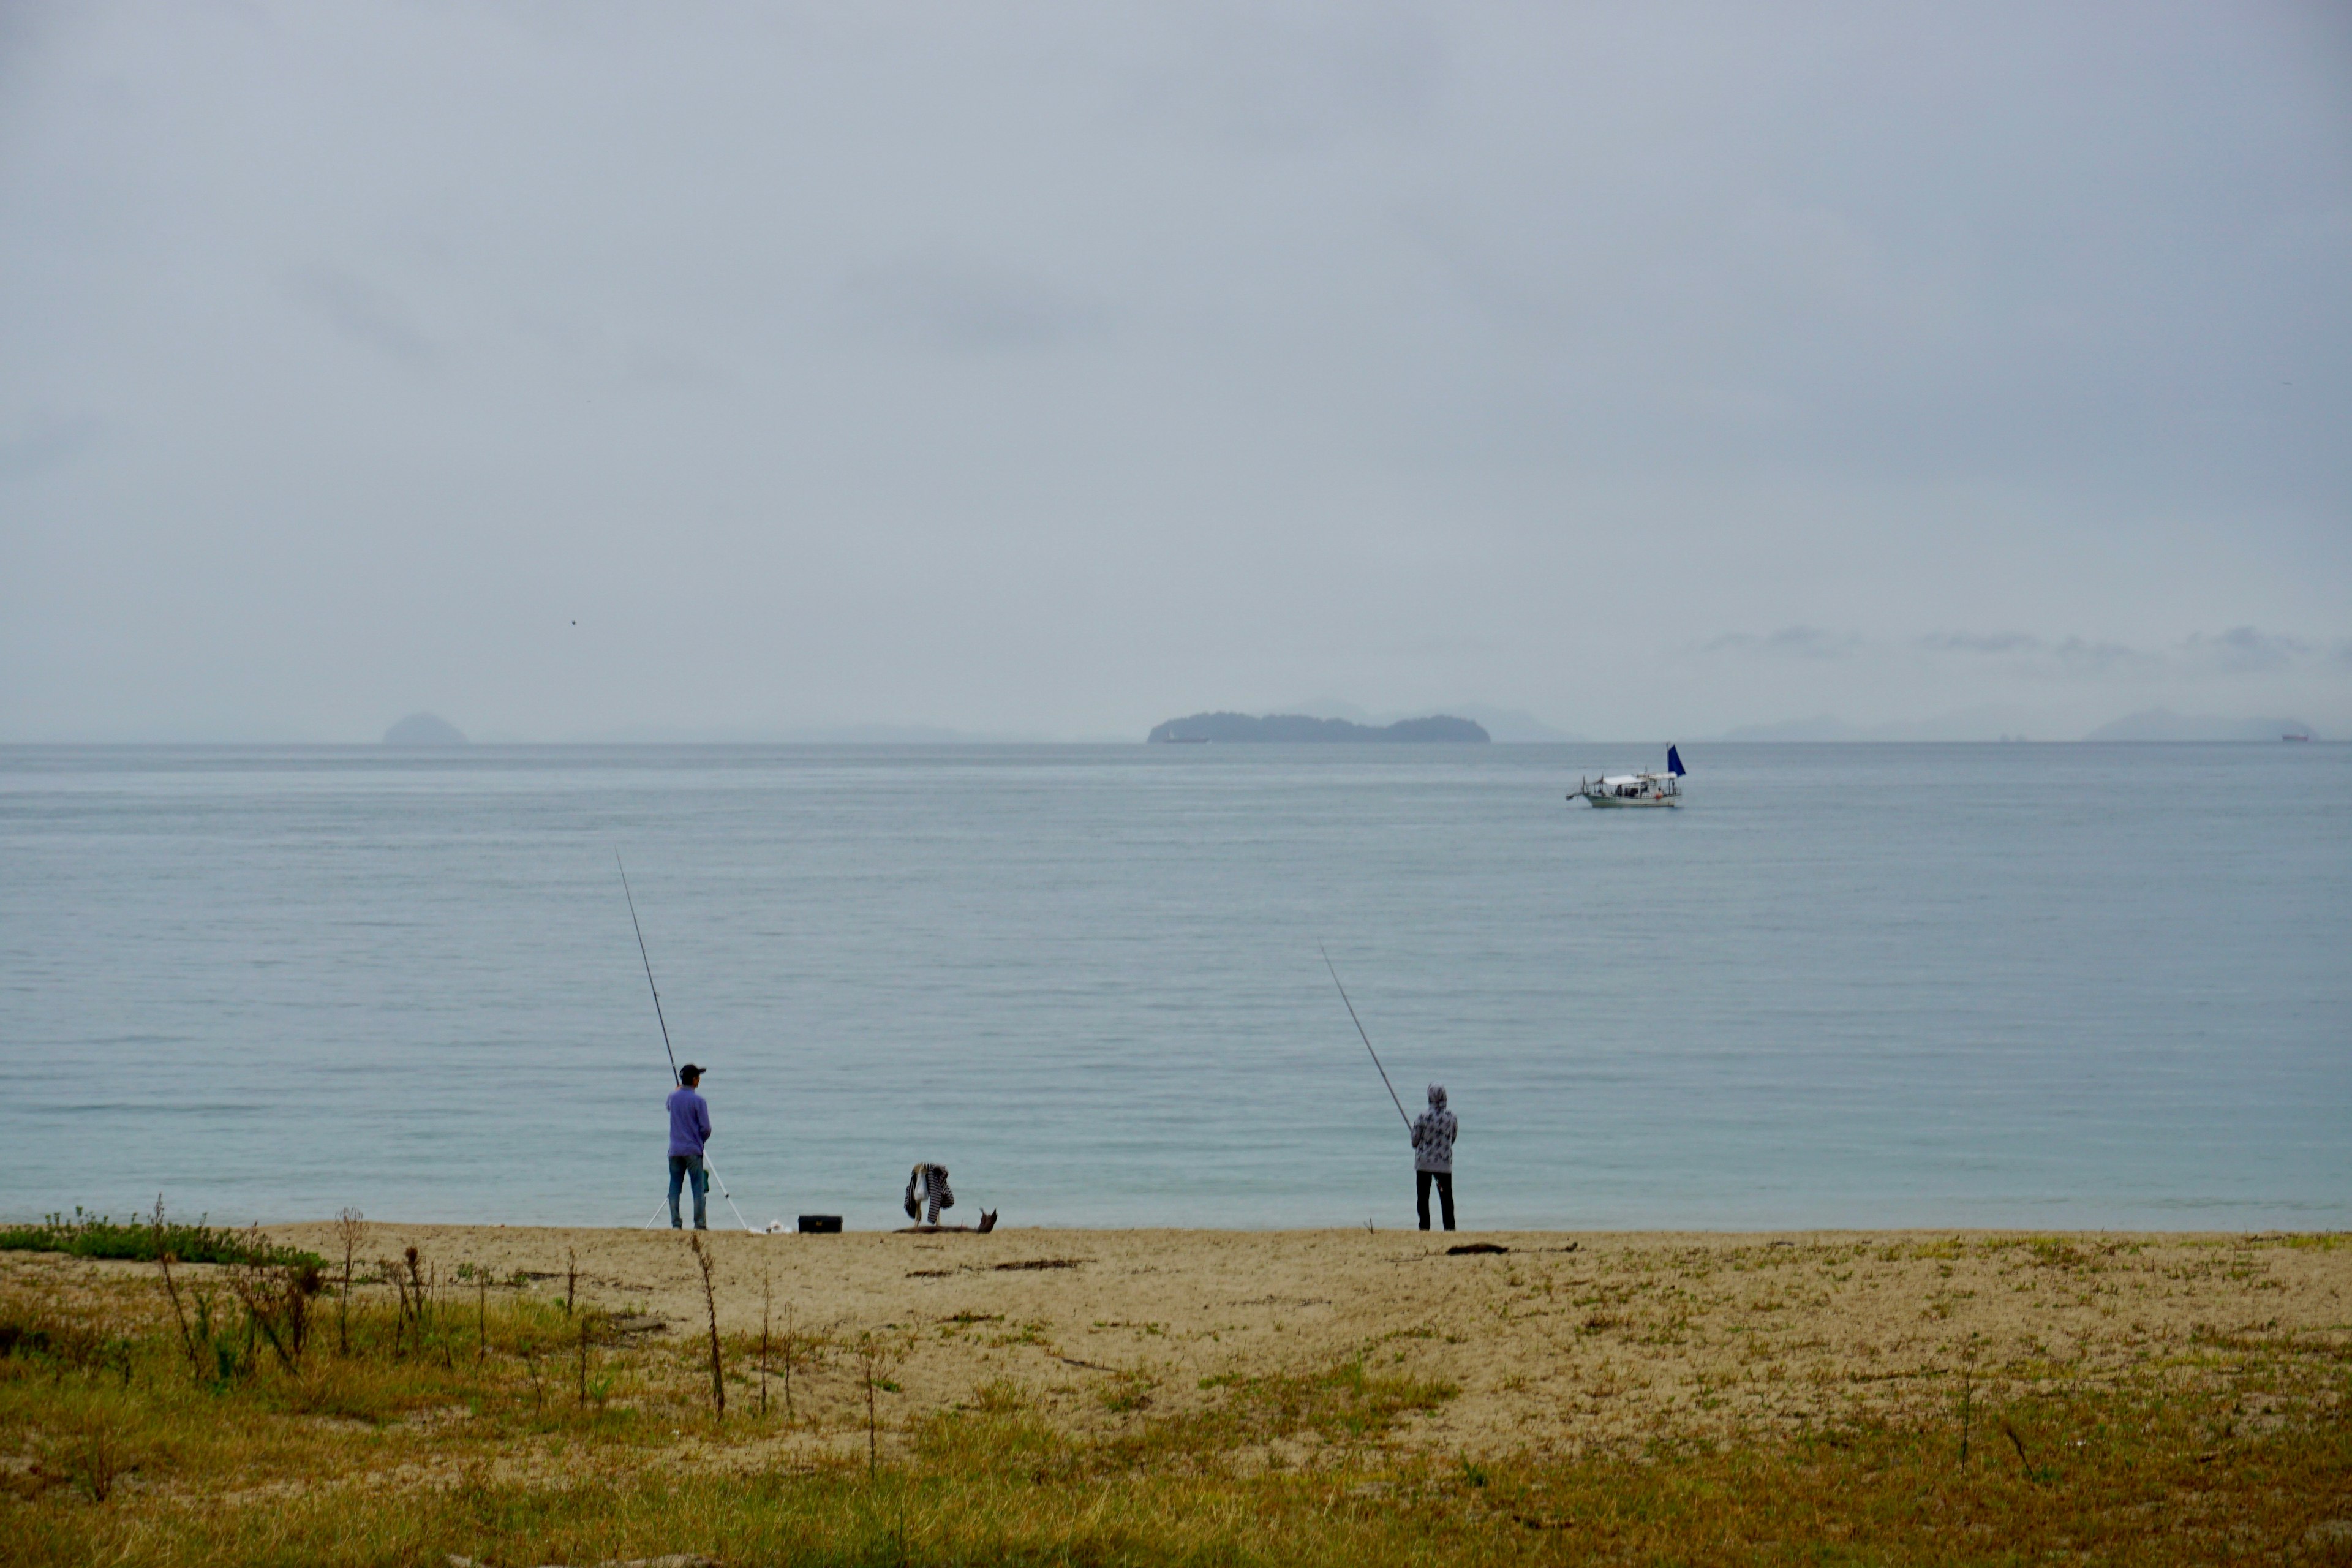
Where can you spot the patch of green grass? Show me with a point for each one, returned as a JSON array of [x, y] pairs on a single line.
[[144, 1241], [1346, 1402], [2135, 1485], [1128, 1392], [2324, 1241]]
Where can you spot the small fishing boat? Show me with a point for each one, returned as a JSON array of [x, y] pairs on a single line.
[[1635, 789]]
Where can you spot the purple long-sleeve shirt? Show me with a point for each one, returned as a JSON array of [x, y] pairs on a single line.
[[689, 1122]]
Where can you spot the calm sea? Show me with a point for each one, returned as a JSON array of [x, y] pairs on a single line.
[[1848, 986]]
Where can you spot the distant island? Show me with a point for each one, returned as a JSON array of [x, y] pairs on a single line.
[[423, 729], [1291, 729]]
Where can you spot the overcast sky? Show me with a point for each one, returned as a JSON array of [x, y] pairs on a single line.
[[1653, 368]]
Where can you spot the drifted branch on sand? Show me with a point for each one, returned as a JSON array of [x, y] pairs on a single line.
[[987, 1223]]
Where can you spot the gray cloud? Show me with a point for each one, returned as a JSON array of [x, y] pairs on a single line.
[[1792, 642], [362, 311], [653, 364], [44, 438], [1981, 642], [1060, 368], [2240, 651], [958, 306], [1287, 80], [2085, 658], [2071, 657]]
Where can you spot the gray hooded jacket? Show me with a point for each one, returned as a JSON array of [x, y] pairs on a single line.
[[1432, 1134]]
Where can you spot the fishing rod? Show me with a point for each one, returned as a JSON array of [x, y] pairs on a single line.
[[648, 959], [1367, 1038]]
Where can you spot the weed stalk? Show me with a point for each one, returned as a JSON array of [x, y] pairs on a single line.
[[710, 1300], [349, 1229], [187, 1339]]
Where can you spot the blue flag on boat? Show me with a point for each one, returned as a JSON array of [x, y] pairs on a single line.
[[1673, 762]]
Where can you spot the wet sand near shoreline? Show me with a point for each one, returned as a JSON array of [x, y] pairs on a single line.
[[1563, 1342]]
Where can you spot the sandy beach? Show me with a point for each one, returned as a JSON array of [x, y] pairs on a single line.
[[1333, 1396], [1559, 1342]]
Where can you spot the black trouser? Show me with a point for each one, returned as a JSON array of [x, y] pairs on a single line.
[[1445, 1180]]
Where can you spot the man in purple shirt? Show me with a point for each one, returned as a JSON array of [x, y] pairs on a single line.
[[689, 1130]]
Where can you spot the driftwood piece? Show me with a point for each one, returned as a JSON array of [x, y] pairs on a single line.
[[987, 1223]]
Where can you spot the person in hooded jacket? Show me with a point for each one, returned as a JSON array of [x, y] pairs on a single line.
[[929, 1182], [1433, 1155]]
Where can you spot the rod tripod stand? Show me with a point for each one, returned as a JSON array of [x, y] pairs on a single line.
[[713, 1174]]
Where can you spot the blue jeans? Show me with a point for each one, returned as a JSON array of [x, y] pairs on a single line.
[[682, 1166]]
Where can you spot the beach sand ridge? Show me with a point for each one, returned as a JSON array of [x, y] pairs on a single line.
[[1563, 1341]]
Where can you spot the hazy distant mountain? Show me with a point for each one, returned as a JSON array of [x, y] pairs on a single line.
[[1823, 728], [1290, 729], [2162, 724], [423, 729], [1832, 730], [1504, 726], [2003, 724], [1515, 726], [800, 736], [1988, 723]]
